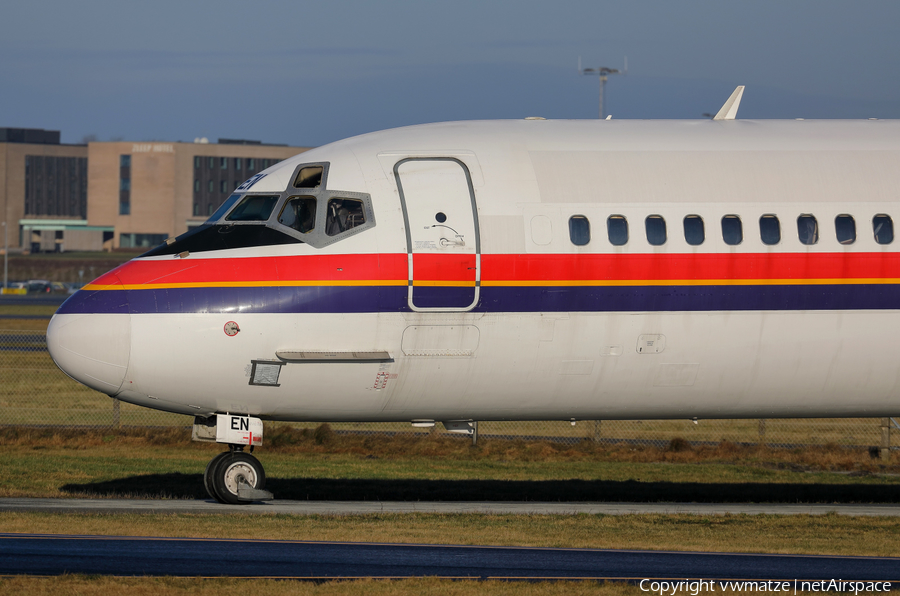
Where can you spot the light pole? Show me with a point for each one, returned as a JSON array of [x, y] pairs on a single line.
[[5, 256], [603, 72]]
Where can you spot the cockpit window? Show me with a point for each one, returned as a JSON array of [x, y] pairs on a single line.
[[223, 208], [309, 177], [299, 213], [253, 208], [343, 215]]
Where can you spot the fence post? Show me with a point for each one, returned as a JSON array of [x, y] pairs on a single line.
[[597, 429], [885, 438], [762, 432], [474, 432], [116, 422]]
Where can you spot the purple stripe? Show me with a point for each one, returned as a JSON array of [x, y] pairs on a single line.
[[442, 297], [95, 301], [689, 298], [361, 299]]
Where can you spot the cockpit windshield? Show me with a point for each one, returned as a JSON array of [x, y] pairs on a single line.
[[316, 216], [254, 208], [223, 208]]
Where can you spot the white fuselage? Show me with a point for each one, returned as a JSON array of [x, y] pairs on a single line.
[[469, 291]]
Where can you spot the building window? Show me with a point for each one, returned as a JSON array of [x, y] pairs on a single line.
[[732, 230], [807, 229], [196, 185], [265, 163], [251, 164], [223, 186], [769, 229], [196, 162], [57, 186], [223, 163], [124, 185], [883, 226], [209, 209], [211, 162], [211, 186], [656, 230], [237, 163], [694, 231], [579, 230], [617, 229], [845, 229], [141, 240]]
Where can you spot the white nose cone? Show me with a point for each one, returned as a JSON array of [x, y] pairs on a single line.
[[92, 349]]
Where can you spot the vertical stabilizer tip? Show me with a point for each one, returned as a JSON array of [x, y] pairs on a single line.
[[730, 109]]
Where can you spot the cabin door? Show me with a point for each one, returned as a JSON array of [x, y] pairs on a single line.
[[443, 245]]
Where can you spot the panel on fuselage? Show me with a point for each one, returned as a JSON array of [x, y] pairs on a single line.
[[439, 206]]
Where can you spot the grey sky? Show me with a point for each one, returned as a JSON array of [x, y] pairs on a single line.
[[307, 73]]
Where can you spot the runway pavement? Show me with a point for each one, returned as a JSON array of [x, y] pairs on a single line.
[[130, 556], [359, 507]]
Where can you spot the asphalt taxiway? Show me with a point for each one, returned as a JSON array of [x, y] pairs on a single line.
[[131, 556]]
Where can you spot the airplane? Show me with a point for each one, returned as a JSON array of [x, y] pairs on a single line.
[[516, 270]]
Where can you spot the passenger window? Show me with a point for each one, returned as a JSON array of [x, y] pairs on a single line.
[[343, 215], [845, 229], [656, 230], [732, 230], [617, 229], [807, 229], [694, 232], [579, 230], [310, 177], [299, 213], [769, 229], [253, 208], [884, 228]]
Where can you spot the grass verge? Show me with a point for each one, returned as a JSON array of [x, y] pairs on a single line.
[[103, 586], [319, 465]]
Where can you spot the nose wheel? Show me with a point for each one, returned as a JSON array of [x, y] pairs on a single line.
[[235, 477]]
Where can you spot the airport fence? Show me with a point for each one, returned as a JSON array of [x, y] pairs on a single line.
[[34, 392]]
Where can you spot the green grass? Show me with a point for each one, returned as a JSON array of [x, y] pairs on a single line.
[[12, 307], [156, 463], [103, 586]]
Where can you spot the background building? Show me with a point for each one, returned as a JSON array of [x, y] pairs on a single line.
[[43, 192], [148, 192], [100, 196]]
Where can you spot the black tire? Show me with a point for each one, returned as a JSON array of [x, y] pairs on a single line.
[[230, 470], [208, 483]]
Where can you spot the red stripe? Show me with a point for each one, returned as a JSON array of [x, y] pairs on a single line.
[[326, 268], [509, 267], [690, 266], [453, 267]]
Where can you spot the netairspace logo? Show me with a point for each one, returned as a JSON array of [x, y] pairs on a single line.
[[695, 587]]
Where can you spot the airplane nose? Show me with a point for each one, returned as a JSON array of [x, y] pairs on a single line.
[[93, 348]]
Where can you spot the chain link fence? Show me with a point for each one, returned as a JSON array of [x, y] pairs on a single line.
[[34, 392]]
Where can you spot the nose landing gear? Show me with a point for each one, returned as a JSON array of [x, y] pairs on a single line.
[[235, 477]]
